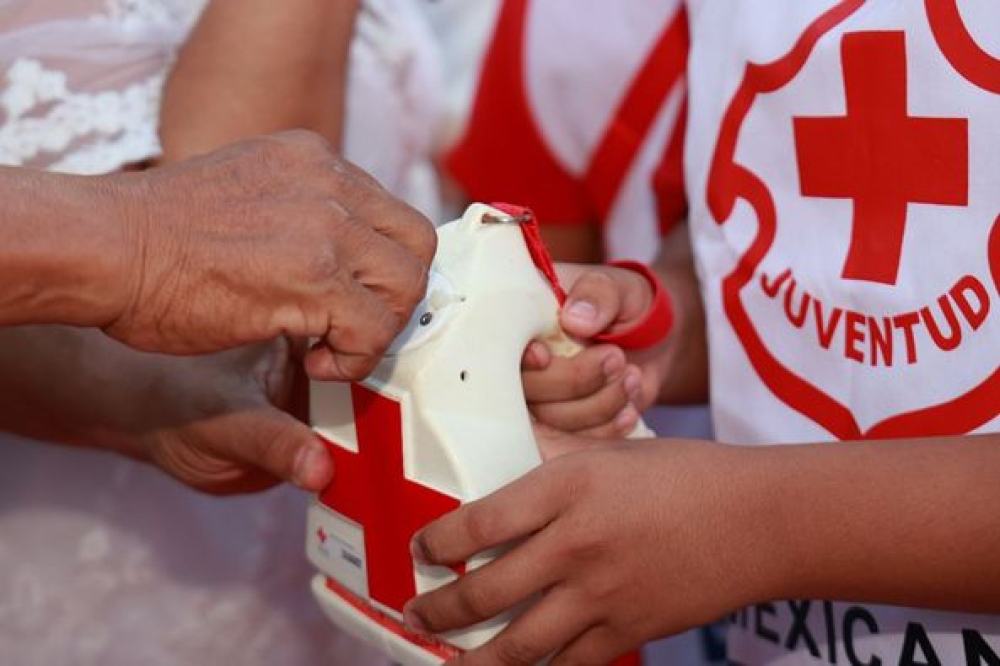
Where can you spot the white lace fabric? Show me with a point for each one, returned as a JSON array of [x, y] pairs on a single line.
[[82, 79]]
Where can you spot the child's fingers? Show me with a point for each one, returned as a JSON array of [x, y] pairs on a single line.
[[553, 443], [621, 426], [576, 377], [489, 590], [514, 511], [537, 356], [592, 305], [603, 298], [611, 412], [547, 625], [597, 409]]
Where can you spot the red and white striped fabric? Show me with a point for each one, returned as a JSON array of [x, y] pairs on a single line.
[[579, 115]]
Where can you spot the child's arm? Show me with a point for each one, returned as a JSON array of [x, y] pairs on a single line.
[[636, 541], [601, 391], [596, 392], [679, 367], [253, 67]]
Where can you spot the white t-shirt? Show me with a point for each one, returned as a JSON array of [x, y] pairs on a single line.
[[843, 170]]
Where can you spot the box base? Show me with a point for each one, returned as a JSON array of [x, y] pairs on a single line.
[[373, 626]]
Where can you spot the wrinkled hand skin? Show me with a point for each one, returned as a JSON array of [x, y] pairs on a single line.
[[268, 237], [608, 548], [230, 422]]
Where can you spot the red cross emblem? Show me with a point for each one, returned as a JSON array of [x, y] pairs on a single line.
[[879, 156], [371, 488], [901, 155]]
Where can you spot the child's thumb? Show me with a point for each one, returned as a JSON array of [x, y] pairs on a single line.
[[592, 306]]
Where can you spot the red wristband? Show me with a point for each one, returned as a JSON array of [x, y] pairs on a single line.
[[654, 326]]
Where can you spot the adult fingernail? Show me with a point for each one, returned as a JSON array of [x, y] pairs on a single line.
[[581, 312], [612, 365], [308, 464]]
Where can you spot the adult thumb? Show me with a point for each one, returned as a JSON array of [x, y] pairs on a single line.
[[284, 447]]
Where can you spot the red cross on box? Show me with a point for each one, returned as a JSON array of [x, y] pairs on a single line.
[[370, 487], [879, 156]]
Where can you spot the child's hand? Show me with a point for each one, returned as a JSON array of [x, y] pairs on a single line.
[[596, 392], [592, 393], [602, 299], [614, 546]]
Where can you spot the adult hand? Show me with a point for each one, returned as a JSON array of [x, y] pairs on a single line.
[[615, 545], [223, 423], [230, 422], [268, 237]]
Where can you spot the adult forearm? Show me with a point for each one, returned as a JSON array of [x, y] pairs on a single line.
[[910, 523], [65, 248], [252, 67], [73, 386]]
